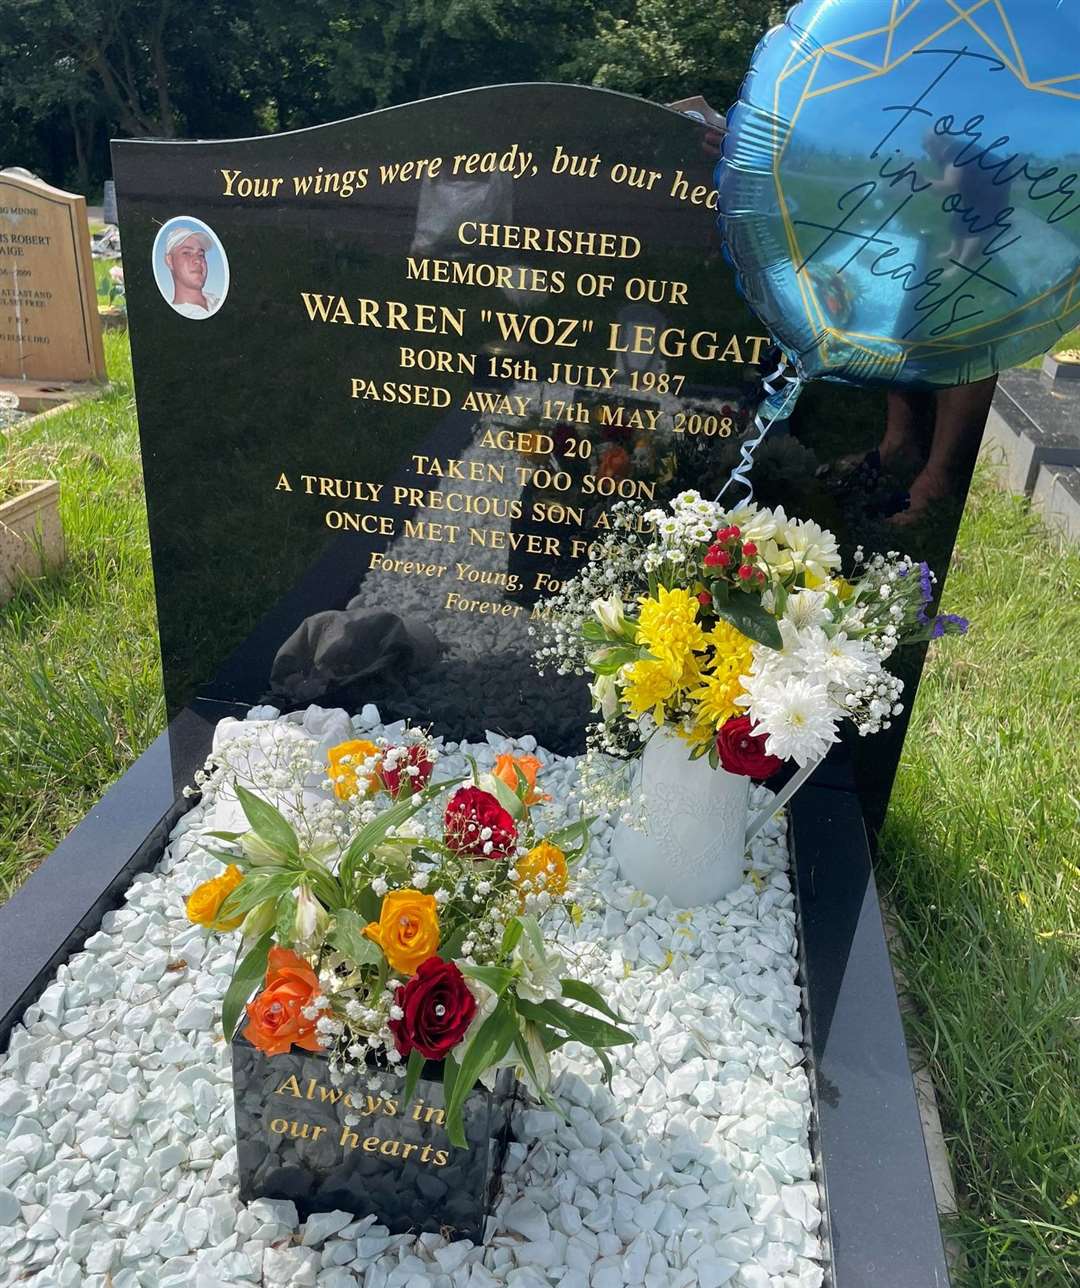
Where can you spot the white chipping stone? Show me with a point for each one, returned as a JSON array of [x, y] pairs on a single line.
[[66, 1211], [525, 1218], [691, 1171], [290, 1267], [9, 1208], [321, 1225]]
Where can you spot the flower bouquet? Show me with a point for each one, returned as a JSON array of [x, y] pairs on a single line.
[[730, 638], [422, 934]]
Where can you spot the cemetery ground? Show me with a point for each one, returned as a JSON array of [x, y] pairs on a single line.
[[979, 856]]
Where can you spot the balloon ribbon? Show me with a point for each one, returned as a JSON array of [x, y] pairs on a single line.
[[780, 393]]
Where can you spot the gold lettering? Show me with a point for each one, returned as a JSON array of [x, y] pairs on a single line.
[[290, 1086]]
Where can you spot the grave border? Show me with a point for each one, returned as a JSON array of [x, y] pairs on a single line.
[[881, 1222]]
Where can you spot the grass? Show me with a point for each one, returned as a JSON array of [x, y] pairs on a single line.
[[978, 850], [980, 854], [79, 668]]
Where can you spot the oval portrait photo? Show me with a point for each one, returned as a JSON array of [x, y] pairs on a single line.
[[190, 267]]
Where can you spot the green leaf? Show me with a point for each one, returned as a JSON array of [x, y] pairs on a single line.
[[450, 947], [753, 621], [522, 1048], [511, 935], [721, 593], [507, 797], [451, 1068], [578, 991], [255, 890], [582, 1028], [535, 936], [487, 1048], [700, 751], [284, 917], [497, 978], [593, 632], [247, 975], [368, 903], [268, 824], [347, 936], [612, 660], [573, 835], [412, 1076], [374, 833], [225, 836]]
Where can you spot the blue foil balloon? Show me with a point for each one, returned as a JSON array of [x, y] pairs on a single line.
[[899, 188]]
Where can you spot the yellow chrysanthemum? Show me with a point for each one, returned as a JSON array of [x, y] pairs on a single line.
[[668, 626], [714, 700], [730, 645], [649, 685]]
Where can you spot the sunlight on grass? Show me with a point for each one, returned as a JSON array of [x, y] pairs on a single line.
[[981, 852], [79, 666]]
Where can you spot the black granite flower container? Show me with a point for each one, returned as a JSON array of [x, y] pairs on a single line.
[[294, 1141]]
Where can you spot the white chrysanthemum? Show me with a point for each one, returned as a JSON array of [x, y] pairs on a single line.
[[754, 523], [838, 661], [806, 609], [797, 717], [813, 548]]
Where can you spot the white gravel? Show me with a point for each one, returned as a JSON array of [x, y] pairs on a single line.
[[117, 1163]]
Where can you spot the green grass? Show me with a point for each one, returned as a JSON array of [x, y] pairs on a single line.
[[981, 857], [79, 669], [1070, 341], [979, 851]]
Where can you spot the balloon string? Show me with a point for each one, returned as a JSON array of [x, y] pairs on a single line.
[[781, 390]]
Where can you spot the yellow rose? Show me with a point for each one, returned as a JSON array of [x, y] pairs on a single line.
[[343, 762], [204, 902], [407, 930], [545, 867]]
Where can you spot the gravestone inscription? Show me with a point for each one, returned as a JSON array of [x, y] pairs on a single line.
[[49, 326], [393, 374]]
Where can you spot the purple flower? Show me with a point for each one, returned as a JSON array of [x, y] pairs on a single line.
[[949, 624], [926, 582]]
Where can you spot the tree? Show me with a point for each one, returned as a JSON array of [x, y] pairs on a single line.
[[670, 49]]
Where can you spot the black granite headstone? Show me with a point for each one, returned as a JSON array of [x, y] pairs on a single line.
[[393, 372]]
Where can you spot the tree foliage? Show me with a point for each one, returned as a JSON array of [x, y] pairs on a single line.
[[76, 74]]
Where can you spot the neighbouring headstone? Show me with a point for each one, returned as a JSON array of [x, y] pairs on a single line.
[[393, 373], [49, 326], [109, 202]]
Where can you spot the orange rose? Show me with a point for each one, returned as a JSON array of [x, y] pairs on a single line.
[[343, 764], [505, 771], [407, 929], [204, 903], [544, 867], [275, 1018]]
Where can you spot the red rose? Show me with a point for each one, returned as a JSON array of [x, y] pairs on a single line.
[[475, 823], [743, 752], [438, 1008], [394, 775]]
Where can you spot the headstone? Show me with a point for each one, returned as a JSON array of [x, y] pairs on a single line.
[[392, 374], [109, 202], [49, 327]]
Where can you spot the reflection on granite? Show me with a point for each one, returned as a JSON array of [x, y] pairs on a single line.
[[293, 1142]]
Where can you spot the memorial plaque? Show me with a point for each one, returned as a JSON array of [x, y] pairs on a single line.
[[334, 1149], [49, 325], [393, 373]]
